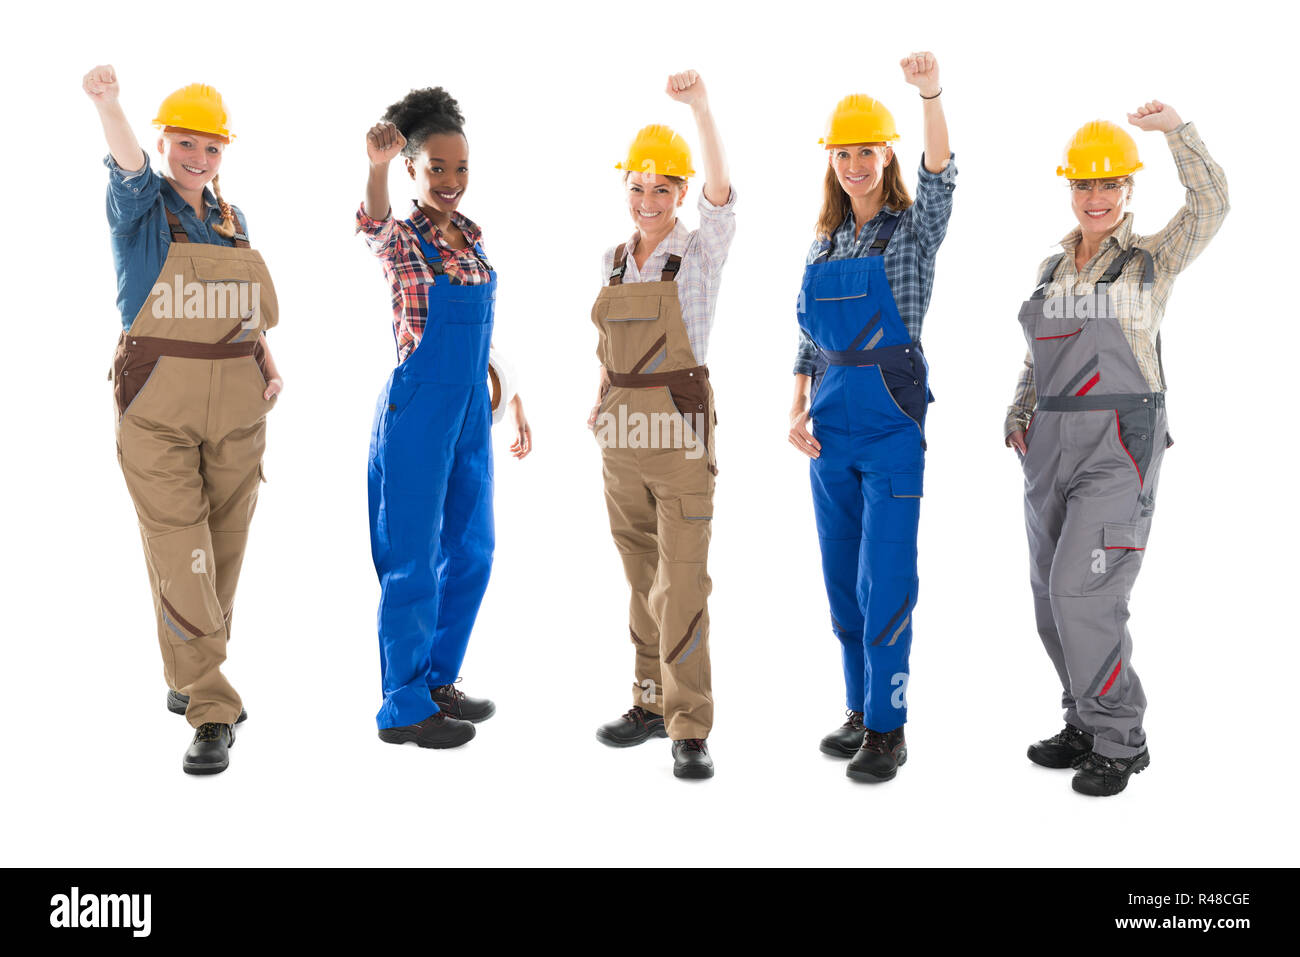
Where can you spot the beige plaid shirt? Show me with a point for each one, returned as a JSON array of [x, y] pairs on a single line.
[[1173, 249]]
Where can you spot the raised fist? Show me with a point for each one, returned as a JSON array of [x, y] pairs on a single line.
[[384, 143]]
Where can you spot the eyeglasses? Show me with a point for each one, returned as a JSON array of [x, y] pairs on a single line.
[[1088, 185]]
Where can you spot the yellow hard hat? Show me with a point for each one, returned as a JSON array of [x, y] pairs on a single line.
[[859, 119], [195, 107], [659, 151], [1100, 150]]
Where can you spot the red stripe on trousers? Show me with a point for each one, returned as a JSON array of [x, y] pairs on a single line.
[[1111, 680]]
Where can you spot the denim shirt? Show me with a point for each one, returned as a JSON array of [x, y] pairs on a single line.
[[137, 218]]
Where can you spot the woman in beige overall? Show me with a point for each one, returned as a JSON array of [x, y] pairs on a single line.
[[655, 423], [193, 380]]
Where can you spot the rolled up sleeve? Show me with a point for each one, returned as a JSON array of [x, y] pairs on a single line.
[[131, 194], [380, 234], [933, 205], [717, 230]]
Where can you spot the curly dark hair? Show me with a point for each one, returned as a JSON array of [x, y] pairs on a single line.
[[422, 113]]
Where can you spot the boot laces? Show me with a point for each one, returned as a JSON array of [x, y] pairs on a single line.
[[694, 744], [209, 731], [450, 691], [1096, 763], [638, 714], [855, 720]]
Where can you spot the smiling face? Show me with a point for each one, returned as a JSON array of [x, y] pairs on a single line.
[[441, 171], [192, 159], [653, 200], [1098, 204], [860, 167]]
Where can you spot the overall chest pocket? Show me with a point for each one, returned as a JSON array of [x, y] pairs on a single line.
[[630, 309], [463, 330]]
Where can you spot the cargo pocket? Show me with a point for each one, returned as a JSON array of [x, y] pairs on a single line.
[[697, 507], [1128, 537], [1114, 568], [906, 485]]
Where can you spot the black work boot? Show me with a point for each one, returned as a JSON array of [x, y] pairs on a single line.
[[457, 704], [1065, 749], [691, 759], [209, 752], [845, 740], [635, 727], [880, 756], [1101, 776], [439, 730], [177, 703]]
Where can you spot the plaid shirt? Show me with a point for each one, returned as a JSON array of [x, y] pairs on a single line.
[[395, 243], [703, 252], [1173, 249], [909, 257]]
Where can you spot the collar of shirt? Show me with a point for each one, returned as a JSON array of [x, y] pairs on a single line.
[[1122, 236], [432, 234], [848, 230], [674, 244], [175, 202]]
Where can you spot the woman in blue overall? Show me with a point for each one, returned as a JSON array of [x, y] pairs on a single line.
[[865, 291], [1088, 421], [430, 475]]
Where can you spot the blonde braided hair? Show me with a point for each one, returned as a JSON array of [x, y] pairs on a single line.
[[228, 226]]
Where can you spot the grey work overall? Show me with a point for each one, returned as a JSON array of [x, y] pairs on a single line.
[[1094, 448]]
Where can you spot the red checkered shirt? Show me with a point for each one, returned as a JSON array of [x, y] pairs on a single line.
[[394, 242]]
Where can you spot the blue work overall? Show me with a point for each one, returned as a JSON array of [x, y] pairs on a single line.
[[869, 400], [431, 528]]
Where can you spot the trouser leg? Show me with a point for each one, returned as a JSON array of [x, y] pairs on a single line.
[[1044, 517], [1098, 557], [408, 478], [634, 526], [162, 467], [465, 547], [837, 506], [683, 491], [887, 592], [232, 476]]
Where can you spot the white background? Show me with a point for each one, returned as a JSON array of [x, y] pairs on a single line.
[[552, 94]]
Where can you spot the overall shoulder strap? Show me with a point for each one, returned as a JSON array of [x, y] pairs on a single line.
[[478, 251], [179, 235], [1045, 279], [883, 235], [671, 265], [430, 253], [620, 263]]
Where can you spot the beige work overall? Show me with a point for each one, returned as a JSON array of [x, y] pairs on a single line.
[[188, 379], [660, 499]]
